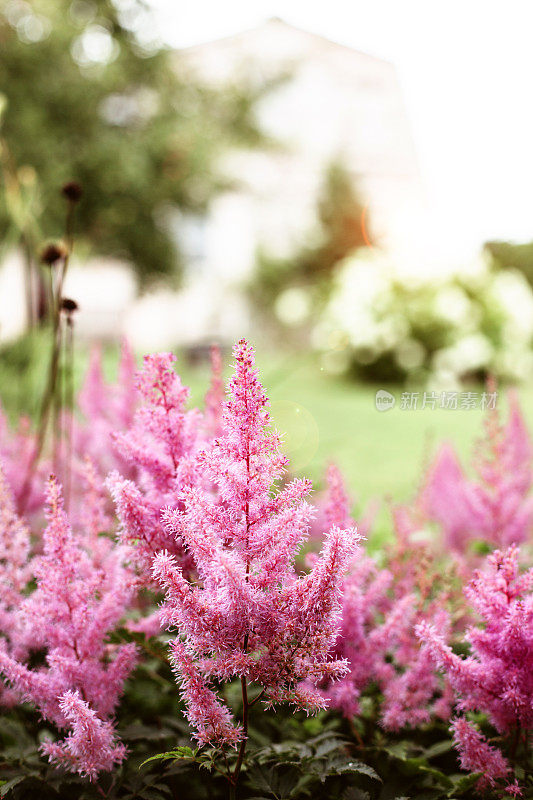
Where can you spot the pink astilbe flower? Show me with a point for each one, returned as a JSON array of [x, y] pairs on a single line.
[[448, 498], [91, 515], [91, 746], [504, 464], [249, 614], [70, 613], [498, 507], [15, 574], [497, 678], [380, 609], [161, 444], [377, 639], [214, 398], [477, 755], [17, 448], [15, 569], [107, 409], [209, 717], [334, 507]]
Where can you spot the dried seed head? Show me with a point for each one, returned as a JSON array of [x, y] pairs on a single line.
[[55, 251], [68, 305], [72, 191]]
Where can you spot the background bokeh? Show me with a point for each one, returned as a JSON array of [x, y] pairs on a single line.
[[355, 202]]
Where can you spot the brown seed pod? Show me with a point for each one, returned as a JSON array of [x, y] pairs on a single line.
[[68, 305], [52, 252], [72, 191]]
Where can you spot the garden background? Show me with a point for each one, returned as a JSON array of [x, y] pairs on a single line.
[[334, 187]]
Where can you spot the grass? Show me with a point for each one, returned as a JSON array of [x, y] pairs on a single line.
[[321, 417]]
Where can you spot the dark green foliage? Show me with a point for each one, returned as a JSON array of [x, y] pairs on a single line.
[[291, 757]]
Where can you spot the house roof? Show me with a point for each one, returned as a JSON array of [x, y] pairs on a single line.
[[277, 23]]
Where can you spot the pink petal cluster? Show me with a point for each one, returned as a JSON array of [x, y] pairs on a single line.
[[477, 755], [16, 454], [249, 614], [91, 745]]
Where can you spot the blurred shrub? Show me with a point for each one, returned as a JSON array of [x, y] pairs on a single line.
[[507, 255], [281, 283], [382, 327]]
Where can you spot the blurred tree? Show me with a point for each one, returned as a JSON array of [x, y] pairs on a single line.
[[90, 95], [340, 233]]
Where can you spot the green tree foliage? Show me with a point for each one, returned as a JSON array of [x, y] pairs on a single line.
[[340, 233], [90, 95]]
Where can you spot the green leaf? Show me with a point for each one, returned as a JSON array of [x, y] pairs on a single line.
[[8, 785], [173, 755], [328, 746], [463, 783], [436, 773], [438, 749], [352, 766]]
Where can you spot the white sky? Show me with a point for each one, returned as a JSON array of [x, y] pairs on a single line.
[[466, 68]]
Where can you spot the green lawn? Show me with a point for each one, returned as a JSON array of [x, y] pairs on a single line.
[[382, 454], [322, 418]]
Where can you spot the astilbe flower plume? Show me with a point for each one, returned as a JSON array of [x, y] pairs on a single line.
[[248, 614], [107, 408], [477, 755], [497, 677], [16, 453], [214, 398], [15, 574], [334, 507], [448, 498], [380, 609], [74, 607], [498, 507], [161, 445], [91, 746]]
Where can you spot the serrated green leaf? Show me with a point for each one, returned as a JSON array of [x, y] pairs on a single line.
[[261, 779], [172, 755], [398, 750], [327, 746], [352, 766]]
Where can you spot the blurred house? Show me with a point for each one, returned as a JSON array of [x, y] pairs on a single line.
[[329, 103]]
